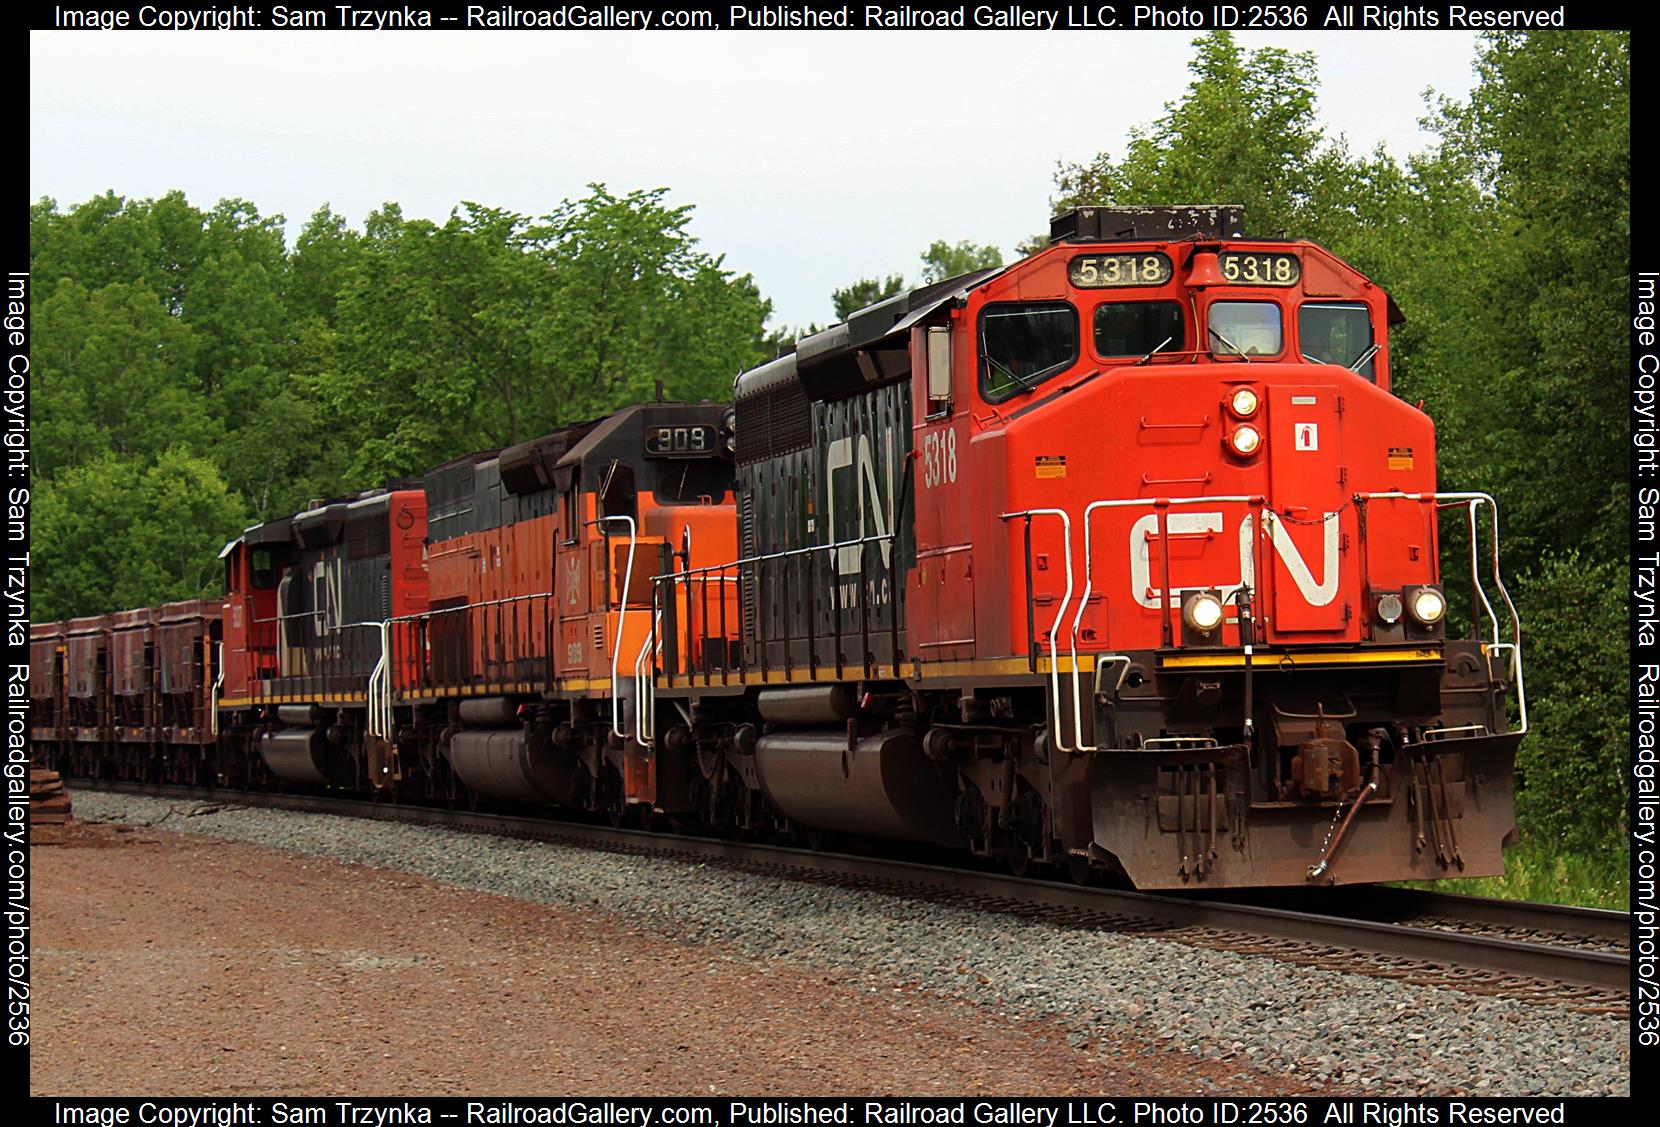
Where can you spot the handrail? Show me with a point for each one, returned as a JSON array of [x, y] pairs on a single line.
[[1261, 514], [218, 683], [379, 692], [1471, 502], [1165, 597], [788, 552], [645, 670], [1054, 629], [685, 577], [622, 622]]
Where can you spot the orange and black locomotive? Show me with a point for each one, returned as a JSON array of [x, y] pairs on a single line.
[[1121, 559]]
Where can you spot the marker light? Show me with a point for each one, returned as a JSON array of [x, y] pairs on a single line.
[[1202, 612], [1389, 608], [1244, 403], [1245, 440], [1428, 605]]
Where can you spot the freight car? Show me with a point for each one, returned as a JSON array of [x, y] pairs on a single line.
[[1121, 559]]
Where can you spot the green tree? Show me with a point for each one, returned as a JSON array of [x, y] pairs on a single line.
[[113, 532], [1571, 767], [944, 260], [631, 299], [495, 327], [1247, 131], [940, 261], [866, 291], [1547, 135], [113, 375]]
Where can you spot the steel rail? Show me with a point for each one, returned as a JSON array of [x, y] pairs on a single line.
[[1449, 948]]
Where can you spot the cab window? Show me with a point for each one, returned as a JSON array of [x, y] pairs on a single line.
[[1336, 334], [1135, 328], [1023, 345], [1246, 328], [262, 569]]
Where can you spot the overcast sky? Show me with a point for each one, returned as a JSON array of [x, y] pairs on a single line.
[[812, 159]]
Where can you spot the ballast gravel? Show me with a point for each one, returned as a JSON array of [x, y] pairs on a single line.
[[1325, 1027]]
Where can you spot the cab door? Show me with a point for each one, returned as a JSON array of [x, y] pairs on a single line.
[[941, 607]]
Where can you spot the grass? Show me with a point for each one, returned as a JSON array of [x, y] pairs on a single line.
[[1600, 880]]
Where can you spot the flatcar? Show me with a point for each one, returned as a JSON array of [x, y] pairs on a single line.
[[1122, 560]]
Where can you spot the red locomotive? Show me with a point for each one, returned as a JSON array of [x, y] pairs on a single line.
[[1121, 559]]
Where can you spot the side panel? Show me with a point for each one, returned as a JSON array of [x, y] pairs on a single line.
[[847, 496]]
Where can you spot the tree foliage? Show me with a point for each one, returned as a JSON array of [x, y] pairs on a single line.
[[1246, 132], [115, 532], [866, 291], [940, 261], [944, 260], [196, 345]]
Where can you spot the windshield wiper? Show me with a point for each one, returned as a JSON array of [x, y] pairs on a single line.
[[1156, 348], [1364, 356], [1021, 380], [1240, 352]]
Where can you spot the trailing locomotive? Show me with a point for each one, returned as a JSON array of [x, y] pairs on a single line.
[[1121, 559]]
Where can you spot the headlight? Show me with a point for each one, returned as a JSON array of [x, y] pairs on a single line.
[[1245, 440], [1389, 608], [1244, 403], [1202, 612], [1428, 605]]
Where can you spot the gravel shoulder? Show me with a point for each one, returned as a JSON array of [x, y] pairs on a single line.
[[369, 957]]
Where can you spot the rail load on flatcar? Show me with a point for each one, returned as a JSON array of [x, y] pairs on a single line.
[[1120, 560]]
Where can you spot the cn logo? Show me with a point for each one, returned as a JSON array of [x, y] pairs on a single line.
[[869, 509], [1317, 593], [1308, 436]]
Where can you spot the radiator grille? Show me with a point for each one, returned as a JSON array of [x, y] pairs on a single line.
[[773, 422]]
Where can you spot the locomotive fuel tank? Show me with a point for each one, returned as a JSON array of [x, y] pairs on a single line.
[[884, 786], [504, 764], [296, 754]]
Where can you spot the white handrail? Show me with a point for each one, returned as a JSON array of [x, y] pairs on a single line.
[[218, 683], [378, 696], [1164, 596], [1054, 629], [645, 698], [622, 620], [1473, 501]]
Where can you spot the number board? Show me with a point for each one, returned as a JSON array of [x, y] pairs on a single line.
[[691, 441], [1102, 271], [1254, 268]]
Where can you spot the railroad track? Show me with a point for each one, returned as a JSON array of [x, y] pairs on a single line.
[[1539, 953]]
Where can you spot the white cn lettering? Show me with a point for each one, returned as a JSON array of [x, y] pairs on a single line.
[[842, 454], [1317, 594]]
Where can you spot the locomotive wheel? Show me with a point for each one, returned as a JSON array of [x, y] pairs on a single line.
[[820, 841], [1018, 854], [1080, 870]]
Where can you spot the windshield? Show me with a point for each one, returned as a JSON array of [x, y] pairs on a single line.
[[1135, 328], [1336, 334], [1252, 328], [1023, 345]]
